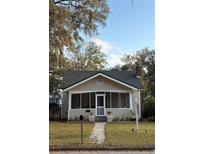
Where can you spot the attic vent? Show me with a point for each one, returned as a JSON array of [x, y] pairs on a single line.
[[99, 83]]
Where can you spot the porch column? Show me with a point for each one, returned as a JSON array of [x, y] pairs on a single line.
[[69, 104]]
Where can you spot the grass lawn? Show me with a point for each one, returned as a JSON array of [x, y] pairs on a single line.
[[67, 134], [118, 134], [121, 134]]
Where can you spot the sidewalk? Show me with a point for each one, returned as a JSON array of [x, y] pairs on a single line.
[[102, 152]]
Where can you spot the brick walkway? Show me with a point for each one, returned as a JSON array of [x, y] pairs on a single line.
[[98, 133]]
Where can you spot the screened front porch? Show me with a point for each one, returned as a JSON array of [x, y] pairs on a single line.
[[111, 100], [99, 104]]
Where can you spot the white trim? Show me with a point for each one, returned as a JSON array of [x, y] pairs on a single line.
[[118, 108], [95, 108], [90, 91], [96, 75], [139, 103], [69, 105], [96, 95], [84, 109], [130, 95]]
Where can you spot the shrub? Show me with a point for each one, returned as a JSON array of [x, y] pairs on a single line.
[[123, 117], [126, 119], [76, 119], [54, 111], [54, 107], [149, 107], [151, 119], [115, 119]]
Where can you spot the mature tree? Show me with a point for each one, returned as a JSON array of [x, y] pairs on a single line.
[[69, 20], [145, 61], [87, 57]]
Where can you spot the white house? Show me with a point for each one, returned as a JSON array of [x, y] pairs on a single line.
[[101, 93]]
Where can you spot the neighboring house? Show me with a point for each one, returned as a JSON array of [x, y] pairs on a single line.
[[100, 92]]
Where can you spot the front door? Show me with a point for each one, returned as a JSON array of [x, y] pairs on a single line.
[[100, 104]]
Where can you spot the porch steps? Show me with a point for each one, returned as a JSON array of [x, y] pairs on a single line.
[[101, 118]]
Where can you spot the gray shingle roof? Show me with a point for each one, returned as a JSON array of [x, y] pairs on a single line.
[[72, 77]]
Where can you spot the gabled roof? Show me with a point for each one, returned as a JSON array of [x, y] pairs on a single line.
[[129, 78]]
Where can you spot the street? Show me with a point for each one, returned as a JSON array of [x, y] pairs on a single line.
[[102, 152]]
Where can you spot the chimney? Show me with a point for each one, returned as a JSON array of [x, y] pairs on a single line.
[[137, 71]]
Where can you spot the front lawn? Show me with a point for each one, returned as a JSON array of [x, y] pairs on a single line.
[[121, 134], [67, 134], [118, 134]]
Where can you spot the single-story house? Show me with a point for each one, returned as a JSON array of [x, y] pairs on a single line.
[[99, 94]]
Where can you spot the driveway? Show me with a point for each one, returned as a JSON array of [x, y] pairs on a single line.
[[101, 152]]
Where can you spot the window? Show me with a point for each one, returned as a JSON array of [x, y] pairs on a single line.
[[107, 98], [75, 101], [85, 100], [92, 100], [115, 100], [125, 102]]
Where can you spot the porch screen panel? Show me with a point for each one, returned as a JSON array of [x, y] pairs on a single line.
[[125, 102], [92, 100], [85, 100], [107, 98], [75, 101], [115, 100]]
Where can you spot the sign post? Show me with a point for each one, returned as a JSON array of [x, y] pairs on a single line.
[[81, 130], [137, 117]]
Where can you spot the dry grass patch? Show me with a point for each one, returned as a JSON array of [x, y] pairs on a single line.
[[67, 134], [121, 134]]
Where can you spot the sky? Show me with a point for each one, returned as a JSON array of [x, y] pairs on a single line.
[[129, 28]]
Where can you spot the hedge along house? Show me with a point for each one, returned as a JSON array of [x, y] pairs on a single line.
[[100, 93]]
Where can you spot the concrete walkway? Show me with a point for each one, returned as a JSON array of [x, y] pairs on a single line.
[[98, 133]]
